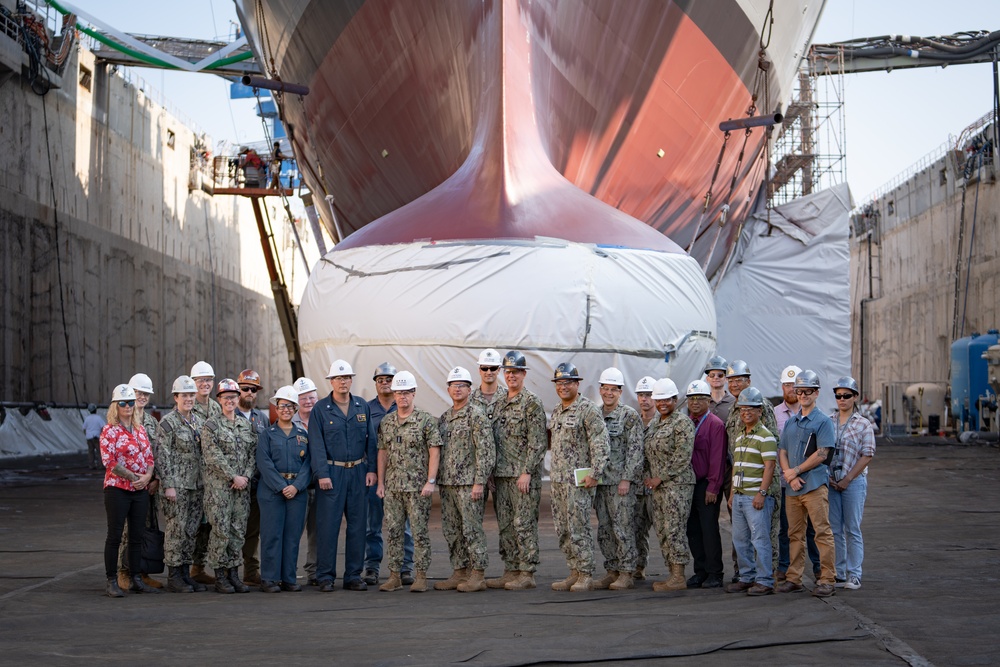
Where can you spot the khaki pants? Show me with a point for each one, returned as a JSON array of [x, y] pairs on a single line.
[[816, 506]]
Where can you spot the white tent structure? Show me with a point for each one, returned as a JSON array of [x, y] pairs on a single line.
[[428, 307]]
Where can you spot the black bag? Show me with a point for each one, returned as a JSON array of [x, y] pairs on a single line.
[[151, 558], [811, 449]]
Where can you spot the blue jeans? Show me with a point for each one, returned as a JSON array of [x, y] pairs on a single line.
[[752, 533], [373, 537], [846, 510], [811, 548]]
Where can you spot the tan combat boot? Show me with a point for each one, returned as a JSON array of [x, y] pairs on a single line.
[[392, 583], [623, 582], [500, 582], [566, 583], [639, 574], [452, 582], [606, 580], [152, 583], [525, 581], [419, 584], [676, 581], [583, 583], [474, 583], [124, 580], [199, 574]]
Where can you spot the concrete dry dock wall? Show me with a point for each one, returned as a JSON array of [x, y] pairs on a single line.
[[154, 277], [906, 333]]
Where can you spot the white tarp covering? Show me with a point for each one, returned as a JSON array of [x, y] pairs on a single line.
[[30, 435], [786, 297], [429, 307]]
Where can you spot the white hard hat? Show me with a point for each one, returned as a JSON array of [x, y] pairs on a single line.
[[123, 392], [286, 393], [340, 367], [184, 385], [644, 385], [141, 382], [490, 357], [404, 381], [202, 370], [699, 388], [664, 388], [304, 386], [459, 374], [612, 376], [789, 374]]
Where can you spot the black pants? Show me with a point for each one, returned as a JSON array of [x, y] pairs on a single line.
[[120, 504], [703, 532]]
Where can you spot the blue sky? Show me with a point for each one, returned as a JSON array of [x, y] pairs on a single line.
[[892, 119]]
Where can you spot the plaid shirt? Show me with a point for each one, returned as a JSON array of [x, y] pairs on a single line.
[[855, 439]]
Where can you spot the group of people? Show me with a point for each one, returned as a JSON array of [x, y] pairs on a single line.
[[227, 479]]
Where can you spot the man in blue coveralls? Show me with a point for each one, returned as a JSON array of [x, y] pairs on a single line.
[[344, 451]]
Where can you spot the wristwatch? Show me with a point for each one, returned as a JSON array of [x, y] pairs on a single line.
[[432, 480], [762, 492]]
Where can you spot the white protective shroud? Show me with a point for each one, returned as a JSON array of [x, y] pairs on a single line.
[[428, 307], [786, 299]]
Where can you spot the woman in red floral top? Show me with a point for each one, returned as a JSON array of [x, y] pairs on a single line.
[[128, 464]]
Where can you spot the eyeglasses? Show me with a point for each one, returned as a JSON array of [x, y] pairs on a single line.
[[749, 408], [126, 404], [286, 406], [696, 399], [565, 383], [716, 376], [805, 392], [843, 397], [405, 392], [203, 380], [383, 380], [489, 369], [343, 378], [252, 390]]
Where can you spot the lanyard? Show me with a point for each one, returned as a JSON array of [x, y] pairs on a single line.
[[700, 422]]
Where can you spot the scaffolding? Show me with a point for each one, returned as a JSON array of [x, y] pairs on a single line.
[[810, 152]]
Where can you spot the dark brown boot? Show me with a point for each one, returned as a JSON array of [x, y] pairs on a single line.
[[234, 579], [222, 584], [176, 583]]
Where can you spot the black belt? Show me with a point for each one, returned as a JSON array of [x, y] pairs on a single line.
[[345, 464]]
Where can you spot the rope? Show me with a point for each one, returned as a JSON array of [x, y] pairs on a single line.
[[708, 195]]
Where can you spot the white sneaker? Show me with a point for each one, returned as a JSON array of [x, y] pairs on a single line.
[[839, 583], [852, 584]]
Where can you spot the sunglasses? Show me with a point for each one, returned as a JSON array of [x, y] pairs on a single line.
[[286, 406], [126, 404], [805, 392], [252, 390], [843, 397], [491, 369]]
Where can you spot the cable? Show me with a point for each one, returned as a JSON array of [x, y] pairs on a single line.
[[59, 276]]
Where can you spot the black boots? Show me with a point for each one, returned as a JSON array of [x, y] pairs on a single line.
[[176, 582], [140, 586], [189, 580], [234, 579], [113, 590], [222, 584]]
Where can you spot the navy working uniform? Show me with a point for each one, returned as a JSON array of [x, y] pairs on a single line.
[[251, 565], [376, 511], [344, 449], [282, 460]]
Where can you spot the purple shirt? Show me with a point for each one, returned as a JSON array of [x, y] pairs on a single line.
[[710, 447]]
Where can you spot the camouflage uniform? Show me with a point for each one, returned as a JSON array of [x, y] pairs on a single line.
[[468, 455], [229, 449], [477, 398], [579, 440], [407, 446], [734, 429], [252, 542], [150, 424], [519, 432], [615, 532], [669, 444], [179, 464], [210, 409], [642, 512]]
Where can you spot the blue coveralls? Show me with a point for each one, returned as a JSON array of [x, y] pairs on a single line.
[[281, 460], [350, 442]]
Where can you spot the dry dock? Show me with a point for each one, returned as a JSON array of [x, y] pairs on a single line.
[[929, 595]]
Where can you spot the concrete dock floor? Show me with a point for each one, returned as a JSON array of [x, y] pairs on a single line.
[[929, 595]]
